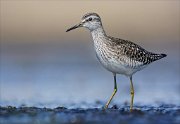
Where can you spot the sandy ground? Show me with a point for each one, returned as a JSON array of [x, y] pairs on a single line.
[[162, 114]]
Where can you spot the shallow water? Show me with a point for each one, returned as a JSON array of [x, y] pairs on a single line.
[[162, 114]]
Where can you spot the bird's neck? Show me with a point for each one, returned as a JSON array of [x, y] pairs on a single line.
[[98, 33]]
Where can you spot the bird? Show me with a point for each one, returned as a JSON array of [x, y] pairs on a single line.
[[117, 55]]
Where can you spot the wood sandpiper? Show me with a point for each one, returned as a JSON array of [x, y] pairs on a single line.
[[116, 55]]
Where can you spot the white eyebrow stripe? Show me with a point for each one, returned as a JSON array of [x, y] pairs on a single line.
[[83, 20], [92, 16]]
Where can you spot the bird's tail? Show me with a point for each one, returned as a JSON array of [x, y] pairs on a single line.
[[158, 56], [163, 55]]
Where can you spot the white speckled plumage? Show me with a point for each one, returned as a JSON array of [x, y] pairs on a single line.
[[110, 58]]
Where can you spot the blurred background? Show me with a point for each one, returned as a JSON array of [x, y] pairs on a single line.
[[42, 65]]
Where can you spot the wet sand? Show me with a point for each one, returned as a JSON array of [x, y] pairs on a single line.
[[162, 114]]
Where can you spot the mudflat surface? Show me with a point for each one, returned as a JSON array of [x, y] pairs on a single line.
[[163, 114]]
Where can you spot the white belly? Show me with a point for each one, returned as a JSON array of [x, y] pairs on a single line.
[[118, 67]]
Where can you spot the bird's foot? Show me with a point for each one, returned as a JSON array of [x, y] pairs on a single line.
[[131, 110], [105, 107]]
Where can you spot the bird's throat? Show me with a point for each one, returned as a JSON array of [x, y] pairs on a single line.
[[98, 33]]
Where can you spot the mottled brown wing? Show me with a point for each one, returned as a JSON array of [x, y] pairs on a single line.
[[135, 52]]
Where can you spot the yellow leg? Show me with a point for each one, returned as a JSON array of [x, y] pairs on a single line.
[[132, 94], [114, 92]]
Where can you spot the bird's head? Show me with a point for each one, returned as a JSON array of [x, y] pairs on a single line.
[[92, 21]]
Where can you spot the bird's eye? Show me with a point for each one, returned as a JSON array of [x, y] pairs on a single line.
[[90, 19]]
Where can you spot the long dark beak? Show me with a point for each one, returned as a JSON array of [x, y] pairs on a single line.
[[74, 27]]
